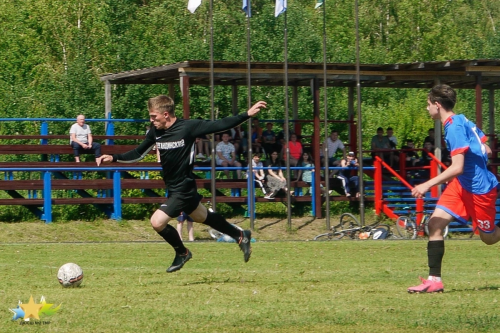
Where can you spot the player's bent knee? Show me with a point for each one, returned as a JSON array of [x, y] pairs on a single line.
[[489, 239], [156, 224], [159, 220]]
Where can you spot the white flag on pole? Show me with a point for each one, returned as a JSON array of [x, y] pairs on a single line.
[[193, 5], [280, 7], [247, 8]]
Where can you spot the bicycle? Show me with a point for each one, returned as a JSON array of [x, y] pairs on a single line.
[[350, 227], [406, 225]]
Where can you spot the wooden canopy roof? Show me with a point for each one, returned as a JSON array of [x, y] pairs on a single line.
[[461, 74]]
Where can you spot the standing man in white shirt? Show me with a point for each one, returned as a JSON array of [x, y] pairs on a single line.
[[81, 138]]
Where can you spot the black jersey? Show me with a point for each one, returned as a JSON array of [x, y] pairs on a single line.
[[176, 147]]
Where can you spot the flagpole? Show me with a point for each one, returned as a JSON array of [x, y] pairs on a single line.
[[212, 108], [251, 202], [360, 132], [286, 126], [325, 145]]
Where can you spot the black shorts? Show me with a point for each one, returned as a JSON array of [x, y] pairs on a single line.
[[179, 202]]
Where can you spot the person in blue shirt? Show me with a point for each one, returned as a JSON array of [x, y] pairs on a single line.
[[472, 188]]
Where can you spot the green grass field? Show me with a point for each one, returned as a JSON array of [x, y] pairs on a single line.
[[336, 286]]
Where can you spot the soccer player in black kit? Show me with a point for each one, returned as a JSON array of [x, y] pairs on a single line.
[[175, 139]]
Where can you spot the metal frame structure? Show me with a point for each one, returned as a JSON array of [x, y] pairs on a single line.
[[476, 74]]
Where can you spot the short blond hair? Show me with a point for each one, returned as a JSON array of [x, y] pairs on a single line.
[[161, 103]]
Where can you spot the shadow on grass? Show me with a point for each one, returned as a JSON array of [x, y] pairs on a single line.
[[210, 280], [306, 223], [270, 224], [485, 288]]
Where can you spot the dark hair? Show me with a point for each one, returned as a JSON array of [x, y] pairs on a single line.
[[444, 95], [389, 129], [380, 129], [301, 158]]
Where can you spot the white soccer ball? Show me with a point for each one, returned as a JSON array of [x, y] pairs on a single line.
[[70, 275]]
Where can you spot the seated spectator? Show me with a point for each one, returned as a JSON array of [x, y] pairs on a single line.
[[238, 139], [334, 144], [280, 137], [412, 158], [269, 142], [393, 141], [426, 159], [256, 140], [430, 136], [180, 221], [256, 124], [202, 148], [226, 155], [381, 147], [217, 138], [295, 150], [350, 182], [274, 178], [259, 175], [81, 139], [306, 160]]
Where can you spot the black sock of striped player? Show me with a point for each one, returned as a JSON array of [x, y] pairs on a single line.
[[219, 223], [435, 253], [171, 236]]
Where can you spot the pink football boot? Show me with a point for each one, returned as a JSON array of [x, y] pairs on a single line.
[[427, 286]]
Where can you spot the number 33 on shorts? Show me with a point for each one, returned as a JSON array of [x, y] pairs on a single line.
[[485, 225]]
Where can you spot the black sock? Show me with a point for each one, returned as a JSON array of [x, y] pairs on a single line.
[[171, 236], [435, 253], [219, 223]]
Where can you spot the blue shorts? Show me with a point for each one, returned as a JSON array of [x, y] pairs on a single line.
[[184, 217]]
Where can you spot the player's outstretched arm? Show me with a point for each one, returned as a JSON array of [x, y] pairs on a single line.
[[104, 159], [455, 169], [256, 108]]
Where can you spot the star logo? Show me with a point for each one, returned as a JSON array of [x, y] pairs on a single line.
[[18, 312], [47, 308], [34, 310], [31, 309]]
